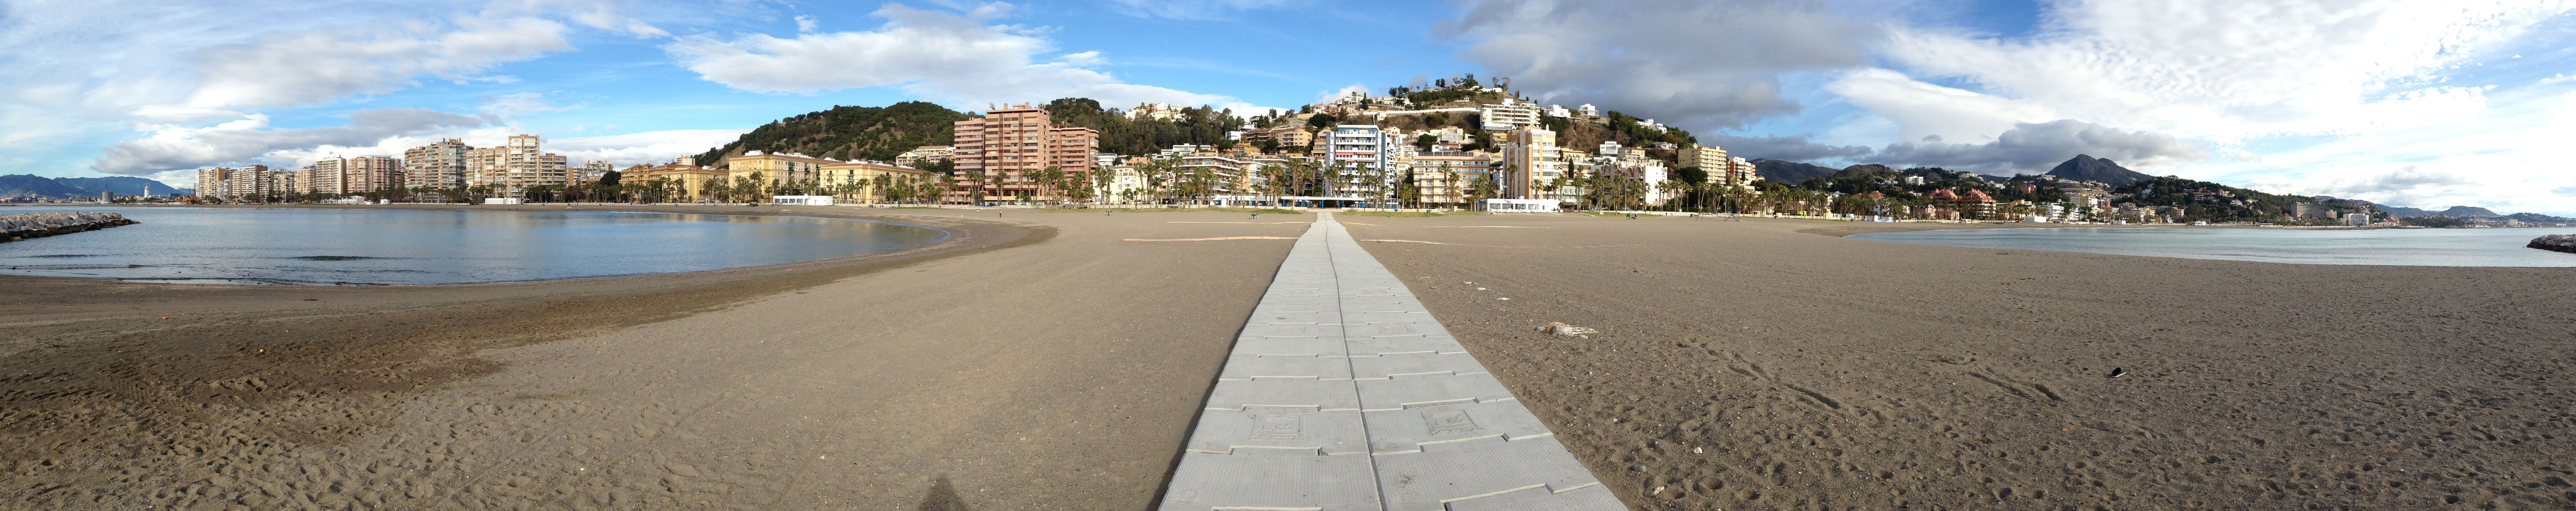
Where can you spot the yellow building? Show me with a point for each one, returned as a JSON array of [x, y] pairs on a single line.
[[1531, 163], [778, 167], [855, 181], [689, 183]]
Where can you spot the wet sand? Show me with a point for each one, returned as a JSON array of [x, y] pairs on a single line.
[[1024, 366], [1768, 365]]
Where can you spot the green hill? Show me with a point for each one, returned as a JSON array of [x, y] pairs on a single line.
[[848, 132], [880, 133]]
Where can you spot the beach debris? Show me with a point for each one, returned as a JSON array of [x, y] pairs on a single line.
[[1562, 329], [1636, 468], [1480, 289], [1501, 298], [1695, 450], [2119, 372]]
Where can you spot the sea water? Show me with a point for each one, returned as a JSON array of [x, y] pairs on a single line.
[[2407, 247], [428, 246]]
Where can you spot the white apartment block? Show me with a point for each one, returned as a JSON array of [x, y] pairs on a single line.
[[1511, 115], [1358, 152]]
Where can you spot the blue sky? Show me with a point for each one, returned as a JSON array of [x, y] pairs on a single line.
[[2424, 104]]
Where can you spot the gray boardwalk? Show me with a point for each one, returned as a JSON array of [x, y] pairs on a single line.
[[1344, 394]]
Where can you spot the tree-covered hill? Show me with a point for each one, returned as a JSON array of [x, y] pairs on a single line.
[[2203, 200], [880, 133], [1121, 135], [848, 132]]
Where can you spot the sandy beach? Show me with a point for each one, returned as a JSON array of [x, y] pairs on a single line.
[[1041, 361]]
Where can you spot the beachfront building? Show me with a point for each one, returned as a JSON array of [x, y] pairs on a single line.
[[510, 169], [865, 181], [1359, 154], [1448, 177], [431, 168], [1531, 165], [679, 181], [776, 169], [351, 176], [1009, 147], [215, 183]]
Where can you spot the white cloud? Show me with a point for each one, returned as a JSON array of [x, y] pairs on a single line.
[[302, 68], [1925, 110], [2230, 69], [806, 24], [651, 147], [2498, 160], [1700, 65], [250, 138], [951, 58], [2036, 147]]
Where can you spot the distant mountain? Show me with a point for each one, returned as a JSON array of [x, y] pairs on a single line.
[[2536, 217], [2455, 211], [1789, 172], [122, 185], [2088, 168], [30, 185]]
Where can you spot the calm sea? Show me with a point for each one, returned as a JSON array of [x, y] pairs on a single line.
[[412, 246], [2407, 247]]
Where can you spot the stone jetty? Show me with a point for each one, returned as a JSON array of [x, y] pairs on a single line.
[[2559, 242], [38, 225]]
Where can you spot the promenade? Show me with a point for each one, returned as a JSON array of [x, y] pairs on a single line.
[[1344, 393]]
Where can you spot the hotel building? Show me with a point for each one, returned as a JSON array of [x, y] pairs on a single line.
[[856, 181]]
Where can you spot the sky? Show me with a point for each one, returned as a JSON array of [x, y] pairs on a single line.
[[2425, 104]]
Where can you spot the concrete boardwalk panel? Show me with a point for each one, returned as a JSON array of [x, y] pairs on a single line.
[[1343, 393]]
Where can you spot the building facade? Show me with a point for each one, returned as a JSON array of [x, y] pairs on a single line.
[[1007, 149], [857, 181], [1510, 115], [1531, 164], [512, 168], [437, 166], [777, 168], [1448, 177]]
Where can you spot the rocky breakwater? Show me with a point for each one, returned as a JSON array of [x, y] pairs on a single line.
[[38, 225], [2559, 242]]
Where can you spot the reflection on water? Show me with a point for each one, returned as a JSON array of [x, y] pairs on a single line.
[[2404, 247], [412, 246]]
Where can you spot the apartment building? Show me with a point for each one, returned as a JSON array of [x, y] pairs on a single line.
[[437, 166], [855, 181], [1446, 177], [253, 183], [1510, 115], [1531, 161], [513, 167], [1358, 152], [369, 173], [1711, 159], [326, 176], [591, 172], [924, 156], [303, 179], [1009, 146], [214, 182]]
